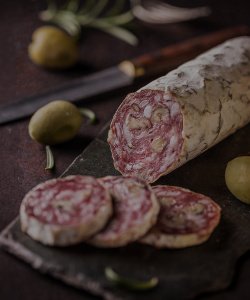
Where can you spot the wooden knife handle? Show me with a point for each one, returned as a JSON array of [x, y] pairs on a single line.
[[170, 57]]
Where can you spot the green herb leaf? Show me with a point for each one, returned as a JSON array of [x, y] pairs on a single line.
[[67, 21], [130, 283], [89, 114], [117, 32], [49, 158], [71, 17], [120, 19], [98, 8]]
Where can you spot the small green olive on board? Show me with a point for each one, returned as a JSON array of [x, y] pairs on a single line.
[[237, 177], [55, 123], [53, 48]]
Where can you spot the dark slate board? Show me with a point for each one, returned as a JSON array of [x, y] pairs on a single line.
[[183, 274]]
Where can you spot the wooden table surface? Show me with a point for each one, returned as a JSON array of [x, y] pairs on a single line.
[[23, 160]]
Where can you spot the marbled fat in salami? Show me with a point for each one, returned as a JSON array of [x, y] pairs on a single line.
[[146, 134], [178, 116], [185, 219], [135, 211], [65, 211]]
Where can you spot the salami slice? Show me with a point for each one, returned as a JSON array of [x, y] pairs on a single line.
[[185, 219], [135, 211], [178, 116], [65, 211]]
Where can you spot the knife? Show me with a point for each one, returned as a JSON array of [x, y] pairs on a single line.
[[122, 75]]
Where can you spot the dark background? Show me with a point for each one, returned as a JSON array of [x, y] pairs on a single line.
[[23, 160]]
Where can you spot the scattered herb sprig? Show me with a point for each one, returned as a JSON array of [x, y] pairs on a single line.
[[128, 283], [93, 13], [49, 158], [89, 114]]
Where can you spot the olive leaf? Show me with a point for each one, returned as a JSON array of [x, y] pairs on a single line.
[[89, 114], [49, 158], [131, 284], [93, 13]]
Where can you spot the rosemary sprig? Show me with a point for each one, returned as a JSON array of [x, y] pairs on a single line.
[[49, 158], [89, 114], [93, 13], [130, 283]]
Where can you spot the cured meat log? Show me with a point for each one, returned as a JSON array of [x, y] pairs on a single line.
[[65, 211], [135, 212], [185, 219], [178, 116]]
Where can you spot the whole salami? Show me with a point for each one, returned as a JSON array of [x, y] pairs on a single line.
[[65, 211], [185, 219], [135, 212], [178, 116]]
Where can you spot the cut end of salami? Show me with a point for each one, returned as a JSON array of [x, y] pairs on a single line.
[[146, 134], [65, 211], [185, 219], [135, 212]]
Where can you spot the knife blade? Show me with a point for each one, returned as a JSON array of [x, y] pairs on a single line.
[[81, 88], [121, 75]]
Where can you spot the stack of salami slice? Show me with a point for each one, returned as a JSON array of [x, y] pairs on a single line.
[[115, 211]]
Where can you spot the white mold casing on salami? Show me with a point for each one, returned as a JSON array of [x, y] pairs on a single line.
[[135, 212], [185, 219], [178, 116], [65, 211]]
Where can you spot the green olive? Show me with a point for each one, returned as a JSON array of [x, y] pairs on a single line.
[[56, 122], [53, 48], [237, 176]]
